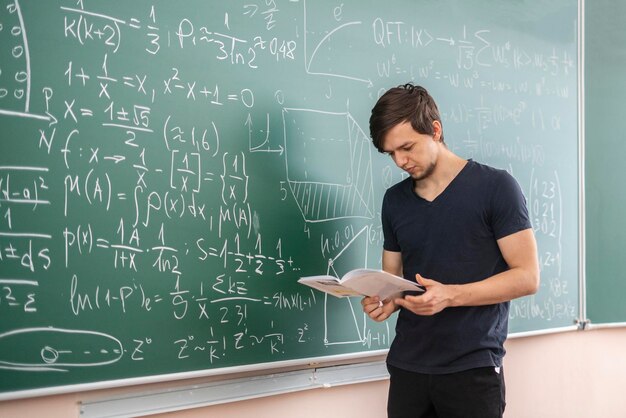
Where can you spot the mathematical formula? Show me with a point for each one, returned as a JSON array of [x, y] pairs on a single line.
[[167, 176]]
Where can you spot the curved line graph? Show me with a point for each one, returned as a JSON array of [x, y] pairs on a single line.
[[20, 50], [26, 55], [324, 39], [308, 61]]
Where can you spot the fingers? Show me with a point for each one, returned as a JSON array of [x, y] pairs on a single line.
[[372, 305], [374, 308], [420, 305], [423, 280], [400, 302], [412, 306], [369, 301]]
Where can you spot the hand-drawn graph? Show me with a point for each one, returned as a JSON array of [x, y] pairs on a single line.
[[347, 310], [22, 349], [15, 73], [329, 165], [328, 57]]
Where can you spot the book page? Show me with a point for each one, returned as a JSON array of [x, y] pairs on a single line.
[[378, 283], [328, 284]]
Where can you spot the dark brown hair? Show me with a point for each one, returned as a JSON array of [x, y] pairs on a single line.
[[405, 103]]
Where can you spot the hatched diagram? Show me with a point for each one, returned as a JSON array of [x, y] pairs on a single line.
[[329, 165]]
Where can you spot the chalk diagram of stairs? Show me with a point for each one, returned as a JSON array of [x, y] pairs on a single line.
[[329, 165], [329, 172]]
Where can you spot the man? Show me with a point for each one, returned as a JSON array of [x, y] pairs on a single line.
[[461, 229]]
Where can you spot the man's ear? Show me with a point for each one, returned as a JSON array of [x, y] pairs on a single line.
[[437, 130]]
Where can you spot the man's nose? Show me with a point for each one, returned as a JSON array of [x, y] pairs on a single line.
[[401, 159]]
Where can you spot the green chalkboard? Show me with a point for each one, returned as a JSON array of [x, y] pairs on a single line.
[[605, 90], [168, 170]]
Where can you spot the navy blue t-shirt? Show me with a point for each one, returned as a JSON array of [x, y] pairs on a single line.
[[453, 240]]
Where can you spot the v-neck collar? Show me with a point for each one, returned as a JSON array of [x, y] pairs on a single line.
[[445, 191]]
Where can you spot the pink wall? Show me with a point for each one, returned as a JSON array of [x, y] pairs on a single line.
[[571, 374], [574, 375]]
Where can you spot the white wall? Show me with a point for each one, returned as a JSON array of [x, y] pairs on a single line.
[[572, 374]]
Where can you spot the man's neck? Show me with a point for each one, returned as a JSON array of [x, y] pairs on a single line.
[[449, 165]]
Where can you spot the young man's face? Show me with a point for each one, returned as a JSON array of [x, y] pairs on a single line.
[[413, 152]]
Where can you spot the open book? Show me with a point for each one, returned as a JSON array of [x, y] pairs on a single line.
[[362, 282]]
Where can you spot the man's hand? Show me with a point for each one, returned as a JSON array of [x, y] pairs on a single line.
[[436, 298], [378, 310]]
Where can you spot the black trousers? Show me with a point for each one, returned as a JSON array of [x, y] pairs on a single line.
[[471, 393]]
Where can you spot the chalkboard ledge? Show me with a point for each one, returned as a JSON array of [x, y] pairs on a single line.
[[234, 390], [576, 327], [603, 325]]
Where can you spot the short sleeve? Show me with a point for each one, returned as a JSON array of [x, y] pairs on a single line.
[[390, 242], [509, 209]]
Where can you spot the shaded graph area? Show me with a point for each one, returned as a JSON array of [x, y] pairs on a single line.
[[329, 165]]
